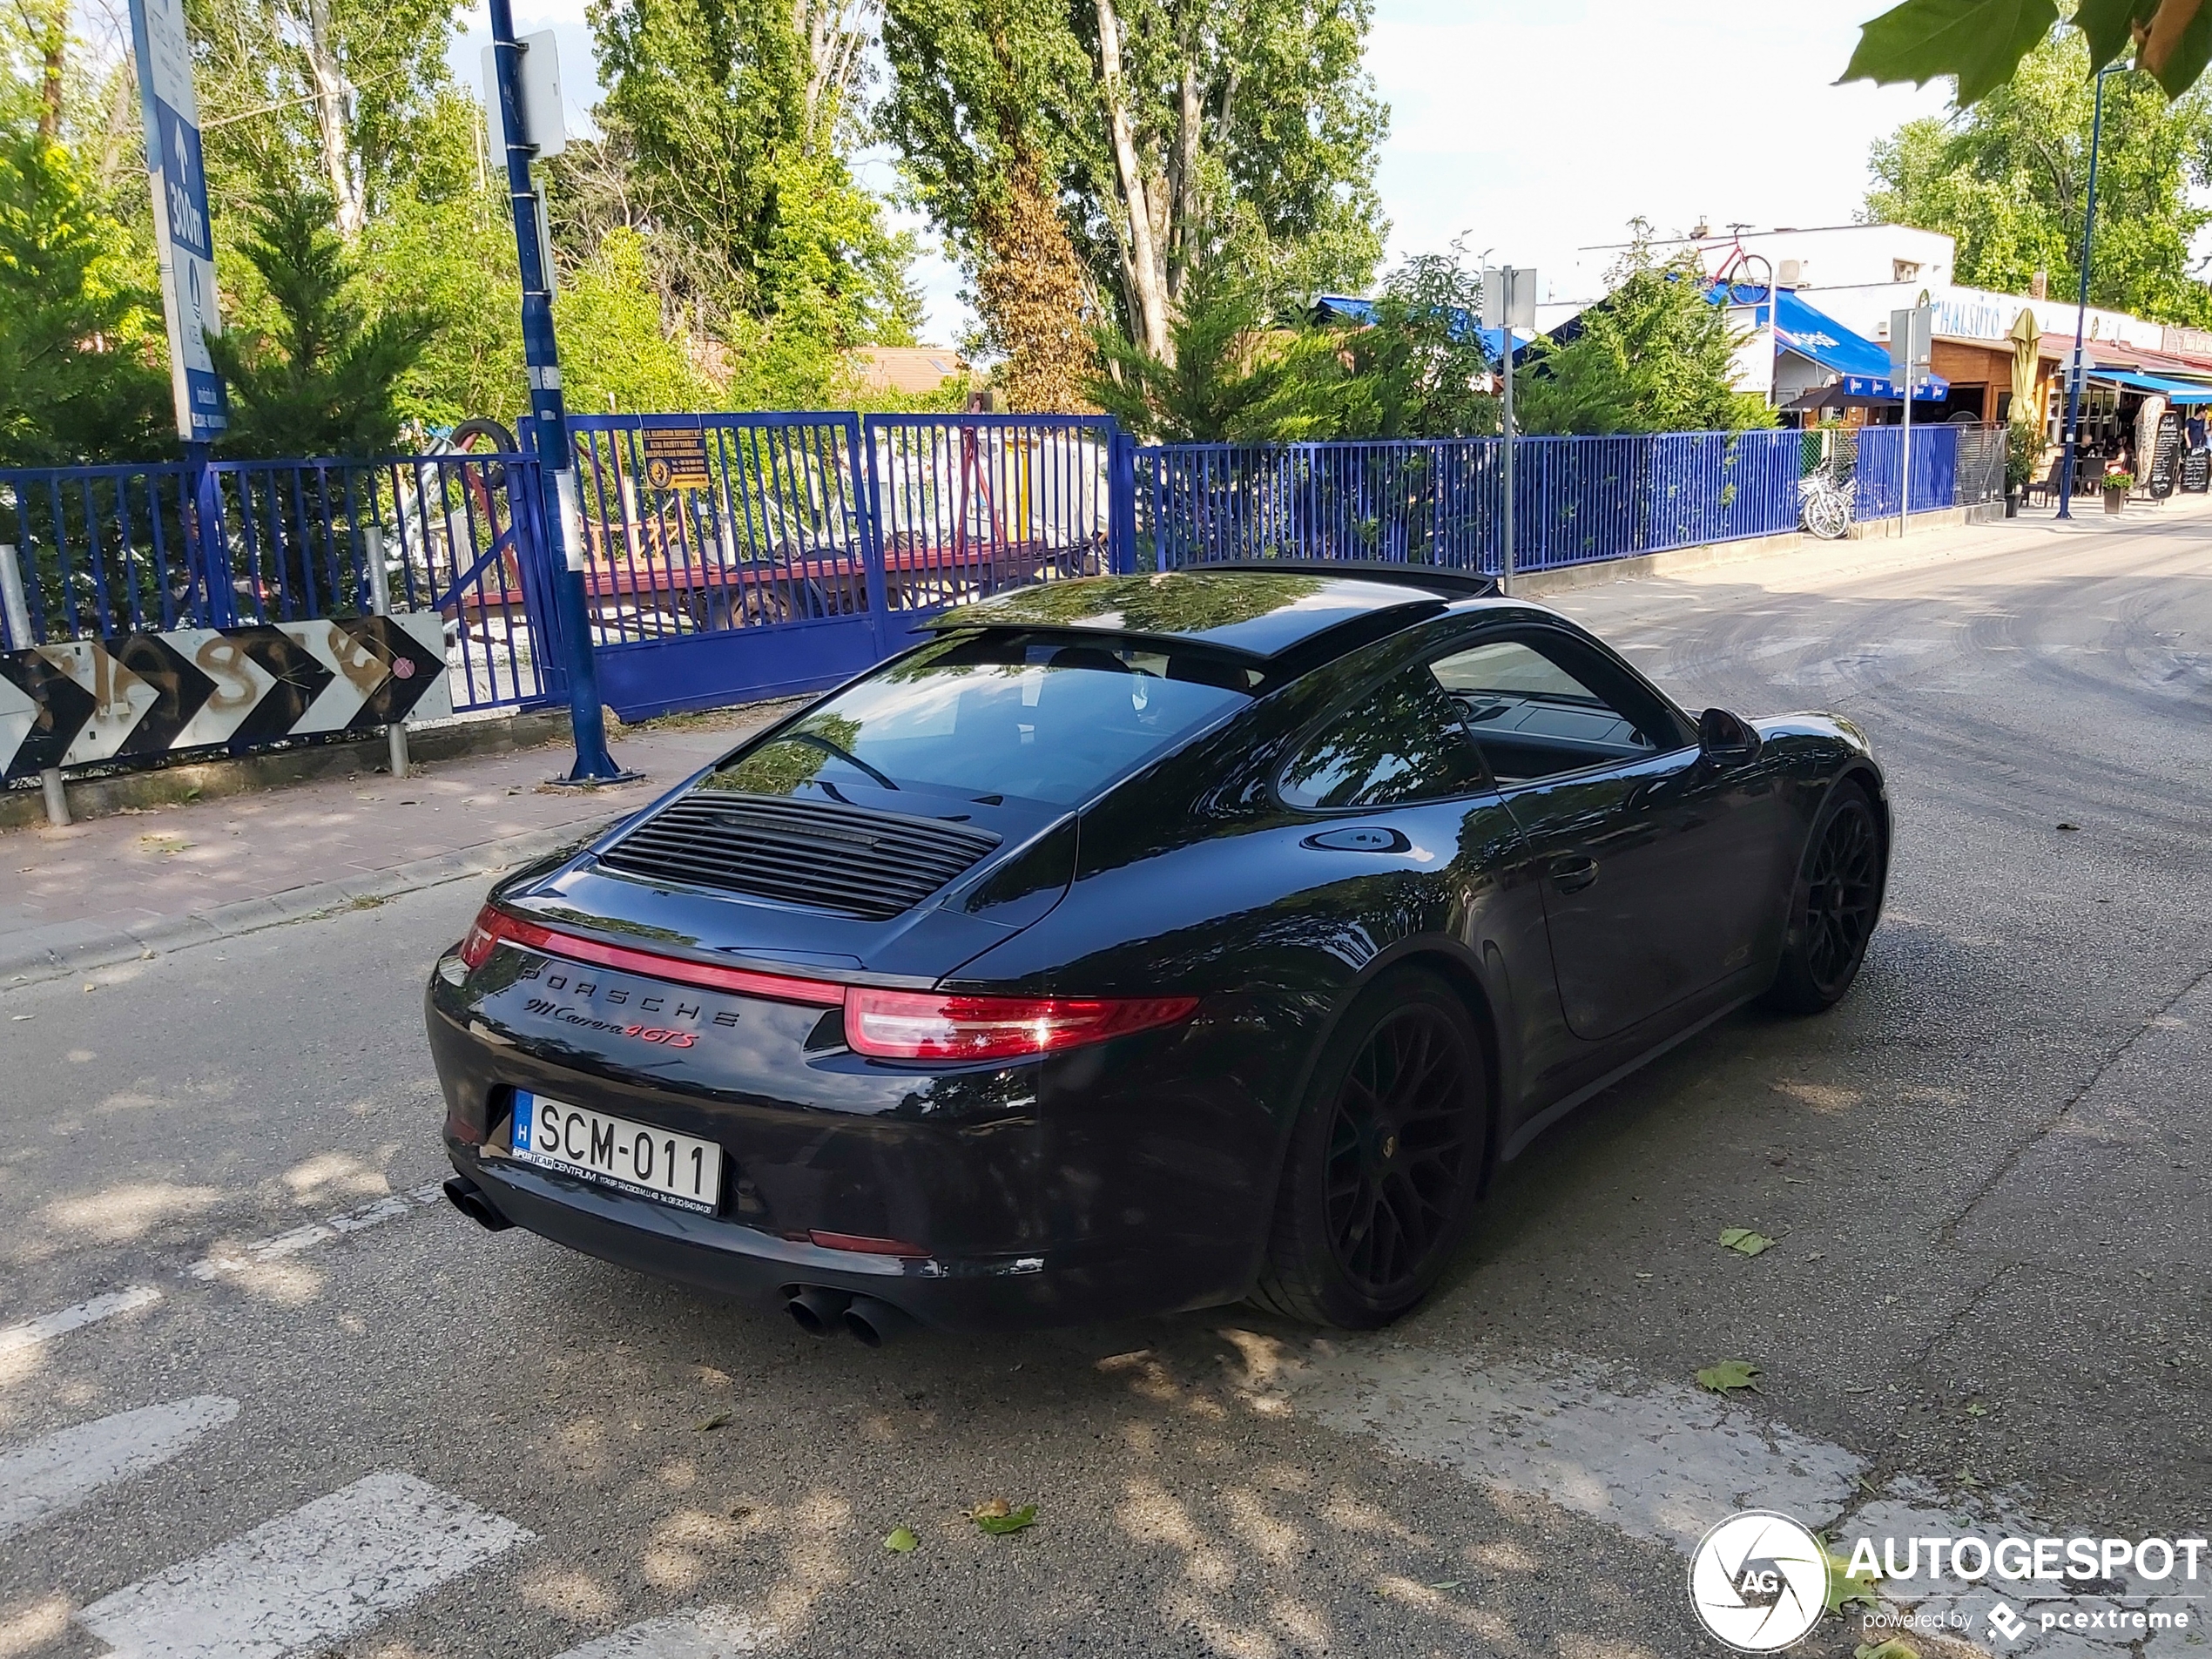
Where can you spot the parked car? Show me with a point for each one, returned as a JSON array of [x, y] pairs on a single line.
[[1139, 943]]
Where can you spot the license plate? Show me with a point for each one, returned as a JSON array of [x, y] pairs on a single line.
[[681, 1169]]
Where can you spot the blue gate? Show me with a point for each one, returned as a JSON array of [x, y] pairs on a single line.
[[734, 556]]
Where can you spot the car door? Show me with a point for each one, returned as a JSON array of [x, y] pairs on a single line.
[[1652, 859]]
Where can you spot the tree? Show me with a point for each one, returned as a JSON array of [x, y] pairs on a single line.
[[1982, 43], [325, 378], [1654, 355], [2009, 176], [1226, 378], [82, 376], [1420, 368], [1170, 135], [727, 122]]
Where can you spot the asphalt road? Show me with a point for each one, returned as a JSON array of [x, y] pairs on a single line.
[[231, 1424]]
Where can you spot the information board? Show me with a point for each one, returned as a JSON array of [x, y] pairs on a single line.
[[183, 242]]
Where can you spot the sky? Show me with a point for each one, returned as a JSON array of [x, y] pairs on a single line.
[[1540, 126]]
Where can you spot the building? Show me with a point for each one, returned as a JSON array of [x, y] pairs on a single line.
[[910, 370]]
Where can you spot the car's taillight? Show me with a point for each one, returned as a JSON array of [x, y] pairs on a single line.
[[935, 1025], [482, 935]]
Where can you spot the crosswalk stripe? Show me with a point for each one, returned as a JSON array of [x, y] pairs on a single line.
[[46, 1327], [304, 1580], [702, 1633], [64, 1469]]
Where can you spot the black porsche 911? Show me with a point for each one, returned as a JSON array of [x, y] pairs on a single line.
[[1141, 943]]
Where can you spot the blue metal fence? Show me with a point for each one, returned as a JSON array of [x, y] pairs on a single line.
[[1442, 501], [730, 557], [111, 551]]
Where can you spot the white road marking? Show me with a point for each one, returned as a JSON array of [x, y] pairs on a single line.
[[702, 1633], [299, 1583], [64, 1469], [46, 1327], [239, 1258], [1655, 1459]]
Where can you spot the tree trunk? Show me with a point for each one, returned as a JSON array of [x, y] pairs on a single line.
[[331, 122], [1143, 267], [47, 24]]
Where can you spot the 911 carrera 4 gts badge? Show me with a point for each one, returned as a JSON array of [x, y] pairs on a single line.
[[620, 1005]]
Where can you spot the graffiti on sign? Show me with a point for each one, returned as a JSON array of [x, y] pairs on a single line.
[[676, 458], [232, 688]]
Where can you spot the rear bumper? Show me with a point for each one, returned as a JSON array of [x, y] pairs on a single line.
[[1135, 1177]]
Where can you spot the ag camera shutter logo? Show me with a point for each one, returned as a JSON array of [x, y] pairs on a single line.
[[1759, 1581]]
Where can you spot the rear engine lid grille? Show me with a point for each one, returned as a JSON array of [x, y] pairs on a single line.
[[848, 860]]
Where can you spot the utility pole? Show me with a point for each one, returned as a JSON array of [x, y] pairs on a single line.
[[562, 506], [1911, 341], [2076, 368]]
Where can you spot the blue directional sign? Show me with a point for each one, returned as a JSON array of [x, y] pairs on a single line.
[[182, 234]]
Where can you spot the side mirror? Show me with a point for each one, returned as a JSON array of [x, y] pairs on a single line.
[[1725, 738]]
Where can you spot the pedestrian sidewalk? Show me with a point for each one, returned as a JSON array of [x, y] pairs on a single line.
[[114, 888]]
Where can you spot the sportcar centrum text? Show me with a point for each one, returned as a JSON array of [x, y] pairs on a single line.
[[1139, 943]]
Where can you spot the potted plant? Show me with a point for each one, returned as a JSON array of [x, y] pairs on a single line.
[[2117, 484], [2023, 451]]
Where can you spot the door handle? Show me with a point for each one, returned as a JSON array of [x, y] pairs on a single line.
[[1573, 874]]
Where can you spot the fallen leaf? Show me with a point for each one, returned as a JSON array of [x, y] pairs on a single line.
[[901, 1541], [1844, 1588], [1744, 1242], [1977, 1410], [1446, 1584], [1729, 1374], [1895, 1648], [2069, 827], [999, 1518], [720, 1419]]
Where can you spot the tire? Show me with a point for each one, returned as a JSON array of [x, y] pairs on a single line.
[[1834, 907], [1827, 516], [1385, 1161]]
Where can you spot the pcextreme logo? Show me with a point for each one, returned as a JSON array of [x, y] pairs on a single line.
[[1759, 1581]]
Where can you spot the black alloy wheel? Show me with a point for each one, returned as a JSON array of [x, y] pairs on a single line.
[[1385, 1161], [1839, 893], [1398, 1149]]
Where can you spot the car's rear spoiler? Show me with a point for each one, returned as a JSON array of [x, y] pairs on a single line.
[[1444, 584]]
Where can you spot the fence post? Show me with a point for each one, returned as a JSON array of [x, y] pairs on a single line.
[[380, 598], [17, 608], [1120, 502], [868, 492], [210, 546]]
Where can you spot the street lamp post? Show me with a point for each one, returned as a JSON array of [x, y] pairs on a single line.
[[2075, 368]]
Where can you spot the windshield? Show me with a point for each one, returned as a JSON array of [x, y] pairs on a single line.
[[1047, 720]]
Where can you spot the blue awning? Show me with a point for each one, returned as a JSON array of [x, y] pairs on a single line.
[[2172, 391], [1863, 364], [1363, 311]]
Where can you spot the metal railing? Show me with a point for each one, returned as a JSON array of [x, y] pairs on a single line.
[[112, 550], [1441, 501]]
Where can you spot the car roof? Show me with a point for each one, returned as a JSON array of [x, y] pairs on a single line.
[[1258, 611]]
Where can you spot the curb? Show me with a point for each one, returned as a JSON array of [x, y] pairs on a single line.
[[53, 952]]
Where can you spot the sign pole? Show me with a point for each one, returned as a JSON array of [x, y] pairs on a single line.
[[563, 506], [1905, 467], [1505, 585], [2076, 375]]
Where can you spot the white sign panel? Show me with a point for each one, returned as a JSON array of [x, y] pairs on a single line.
[[182, 234]]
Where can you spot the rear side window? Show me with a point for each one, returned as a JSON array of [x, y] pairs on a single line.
[[998, 715], [1401, 741]]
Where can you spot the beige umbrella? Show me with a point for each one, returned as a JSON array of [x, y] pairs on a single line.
[[2027, 351]]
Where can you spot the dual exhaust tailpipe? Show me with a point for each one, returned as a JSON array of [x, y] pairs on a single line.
[[820, 1311]]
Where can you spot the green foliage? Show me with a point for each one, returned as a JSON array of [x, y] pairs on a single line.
[[1655, 355], [617, 353], [1982, 43], [724, 133], [322, 379], [82, 369], [2007, 179], [2023, 451], [1231, 379], [1419, 370]]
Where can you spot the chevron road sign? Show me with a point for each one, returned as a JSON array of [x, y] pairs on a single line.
[[233, 688]]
